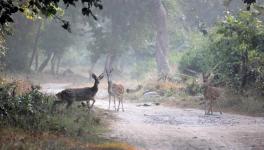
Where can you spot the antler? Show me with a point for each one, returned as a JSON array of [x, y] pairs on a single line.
[[101, 76]]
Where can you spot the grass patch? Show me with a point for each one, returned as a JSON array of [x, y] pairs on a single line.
[[27, 123], [15, 138]]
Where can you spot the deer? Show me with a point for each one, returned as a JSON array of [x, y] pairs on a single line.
[[79, 94], [138, 88], [116, 91], [211, 95], [21, 87]]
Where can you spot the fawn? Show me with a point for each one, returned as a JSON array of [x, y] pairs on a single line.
[[211, 95], [79, 94], [115, 90]]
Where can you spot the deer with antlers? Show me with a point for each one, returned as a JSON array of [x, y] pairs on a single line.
[[211, 95], [79, 94]]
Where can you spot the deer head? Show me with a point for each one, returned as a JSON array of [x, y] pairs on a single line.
[[108, 73], [97, 79], [207, 79]]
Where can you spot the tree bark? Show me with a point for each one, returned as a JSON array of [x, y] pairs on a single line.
[[35, 47], [52, 63], [244, 68], [36, 61], [161, 39], [45, 62], [58, 65]]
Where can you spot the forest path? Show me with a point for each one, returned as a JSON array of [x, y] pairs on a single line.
[[164, 128]]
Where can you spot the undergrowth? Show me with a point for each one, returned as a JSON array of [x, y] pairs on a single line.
[[28, 123]]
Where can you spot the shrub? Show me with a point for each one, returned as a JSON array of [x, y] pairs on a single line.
[[196, 59], [233, 51], [28, 111]]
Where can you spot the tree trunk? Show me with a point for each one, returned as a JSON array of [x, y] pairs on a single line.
[[58, 65], [161, 39], [36, 61], [45, 62], [52, 63], [35, 47], [244, 68]]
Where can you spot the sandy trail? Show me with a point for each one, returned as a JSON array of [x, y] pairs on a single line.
[[163, 128]]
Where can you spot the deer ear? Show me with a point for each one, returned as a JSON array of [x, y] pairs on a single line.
[[93, 75]]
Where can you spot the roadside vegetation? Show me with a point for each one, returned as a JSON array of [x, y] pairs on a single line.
[[162, 46], [232, 51], [28, 123]]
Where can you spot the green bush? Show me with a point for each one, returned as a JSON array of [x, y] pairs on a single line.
[[29, 111], [32, 112], [237, 51], [196, 58], [233, 51], [192, 87]]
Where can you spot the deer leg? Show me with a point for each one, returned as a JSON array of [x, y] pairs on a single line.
[[122, 104], [114, 102], [69, 103], [219, 107], [211, 107], [205, 105], [92, 103], [109, 101], [118, 103], [88, 103], [55, 103]]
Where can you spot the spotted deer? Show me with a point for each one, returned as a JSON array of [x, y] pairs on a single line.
[[211, 95], [116, 91], [79, 94], [21, 87]]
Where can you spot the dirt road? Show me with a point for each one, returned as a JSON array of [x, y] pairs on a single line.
[[163, 128]]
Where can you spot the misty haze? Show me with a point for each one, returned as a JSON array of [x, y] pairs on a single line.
[[132, 74]]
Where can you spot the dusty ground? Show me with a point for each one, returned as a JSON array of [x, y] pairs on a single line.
[[166, 128]]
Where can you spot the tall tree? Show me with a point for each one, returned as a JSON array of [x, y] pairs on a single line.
[[161, 39]]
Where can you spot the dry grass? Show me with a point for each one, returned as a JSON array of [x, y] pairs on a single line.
[[112, 146], [230, 103], [244, 103], [18, 139], [164, 86]]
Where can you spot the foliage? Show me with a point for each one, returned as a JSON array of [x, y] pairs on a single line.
[[19, 44], [2, 45], [28, 118], [47, 8], [196, 57], [58, 40], [142, 67], [27, 111], [237, 49], [192, 87], [234, 53], [32, 112]]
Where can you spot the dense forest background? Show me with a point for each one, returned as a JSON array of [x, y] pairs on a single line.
[[163, 48], [140, 37]]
